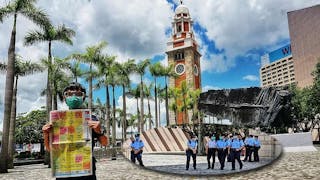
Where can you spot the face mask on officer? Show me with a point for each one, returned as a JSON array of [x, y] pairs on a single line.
[[220, 137], [74, 102], [137, 138], [213, 138]]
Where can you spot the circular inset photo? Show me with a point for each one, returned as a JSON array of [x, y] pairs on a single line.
[[184, 152]]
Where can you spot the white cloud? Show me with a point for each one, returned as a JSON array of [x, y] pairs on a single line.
[[207, 88], [250, 78], [238, 26]]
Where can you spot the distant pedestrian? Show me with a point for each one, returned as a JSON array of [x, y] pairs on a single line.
[[137, 146], [192, 151], [211, 148], [257, 146], [221, 147], [235, 149], [249, 144]]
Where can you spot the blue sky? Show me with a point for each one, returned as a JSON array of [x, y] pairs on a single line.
[[232, 36]]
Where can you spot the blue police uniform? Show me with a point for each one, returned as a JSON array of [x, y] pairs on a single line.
[[192, 144], [137, 145], [249, 143], [221, 147], [235, 150], [257, 146], [212, 148]]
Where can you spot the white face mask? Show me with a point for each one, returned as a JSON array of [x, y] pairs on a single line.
[[235, 137]]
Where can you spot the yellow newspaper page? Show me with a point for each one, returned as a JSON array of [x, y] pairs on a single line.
[[71, 140]]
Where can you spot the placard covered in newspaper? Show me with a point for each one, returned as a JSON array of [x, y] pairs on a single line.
[[70, 143]]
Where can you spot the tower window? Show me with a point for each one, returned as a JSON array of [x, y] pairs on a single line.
[[179, 27], [179, 56]]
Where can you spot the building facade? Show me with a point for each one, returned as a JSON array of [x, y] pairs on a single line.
[[304, 29], [277, 68], [183, 55]]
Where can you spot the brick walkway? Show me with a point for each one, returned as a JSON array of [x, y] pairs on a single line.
[[302, 165]]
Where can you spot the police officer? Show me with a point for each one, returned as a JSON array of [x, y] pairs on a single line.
[[211, 148], [228, 139], [249, 144], [256, 148], [192, 151], [137, 147], [132, 151], [221, 148], [235, 149]]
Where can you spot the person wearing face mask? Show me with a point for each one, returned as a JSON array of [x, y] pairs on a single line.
[[74, 96], [235, 149], [221, 148], [137, 147], [211, 148], [192, 151]]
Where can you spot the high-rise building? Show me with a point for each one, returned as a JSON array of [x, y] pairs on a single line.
[[183, 55], [304, 28], [277, 68]]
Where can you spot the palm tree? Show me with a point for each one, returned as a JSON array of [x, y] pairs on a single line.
[[193, 101], [112, 80], [141, 69], [21, 69], [124, 71], [75, 69], [60, 80], [92, 56], [135, 92], [131, 122], [147, 92], [174, 93], [167, 72], [27, 9], [155, 71], [104, 66], [184, 100], [49, 34]]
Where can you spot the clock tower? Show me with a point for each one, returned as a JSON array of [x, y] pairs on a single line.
[[183, 55]]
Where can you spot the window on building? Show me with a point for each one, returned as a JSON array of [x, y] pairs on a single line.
[[178, 56]]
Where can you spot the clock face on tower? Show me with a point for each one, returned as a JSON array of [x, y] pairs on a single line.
[[179, 69]]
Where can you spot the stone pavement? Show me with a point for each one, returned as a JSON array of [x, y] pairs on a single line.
[[301, 165]]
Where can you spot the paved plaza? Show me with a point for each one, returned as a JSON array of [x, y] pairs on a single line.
[[301, 165]]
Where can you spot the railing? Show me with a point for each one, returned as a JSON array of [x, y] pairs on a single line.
[[108, 152]]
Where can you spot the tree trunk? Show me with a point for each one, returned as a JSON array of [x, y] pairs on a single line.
[[11, 146], [124, 109], [138, 114], [107, 122], [159, 113], [141, 106], [113, 118], [155, 102], [167, 106], [8, 100], [149, 113], [55, 96], [49, 89], [90, 89]]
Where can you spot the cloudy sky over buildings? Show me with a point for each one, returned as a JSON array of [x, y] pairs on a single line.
[[232, 36]]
